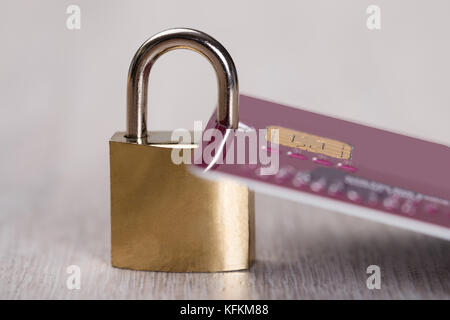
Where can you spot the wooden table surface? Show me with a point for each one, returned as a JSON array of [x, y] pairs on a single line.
[[302, 253]]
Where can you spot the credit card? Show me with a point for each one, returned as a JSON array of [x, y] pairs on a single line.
[[336, 164]]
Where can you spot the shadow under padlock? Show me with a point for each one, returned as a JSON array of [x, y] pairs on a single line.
[[164, 218]]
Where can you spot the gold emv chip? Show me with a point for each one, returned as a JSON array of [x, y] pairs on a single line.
[[309, 142]]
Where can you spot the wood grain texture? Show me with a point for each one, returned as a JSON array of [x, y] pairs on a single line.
[[302, 253]]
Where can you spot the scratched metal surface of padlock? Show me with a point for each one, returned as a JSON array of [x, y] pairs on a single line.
[[163, 218]]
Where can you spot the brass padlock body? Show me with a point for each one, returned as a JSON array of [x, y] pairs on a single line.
[[164, 218]]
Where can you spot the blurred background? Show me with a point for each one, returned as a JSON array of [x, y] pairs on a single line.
[[63, 91]]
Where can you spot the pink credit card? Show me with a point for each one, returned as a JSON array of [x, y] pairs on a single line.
[[337, 164]]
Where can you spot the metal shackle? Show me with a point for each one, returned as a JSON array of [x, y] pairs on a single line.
[[180, 38]]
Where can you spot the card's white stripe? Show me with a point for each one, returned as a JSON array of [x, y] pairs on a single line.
[[334, 205]]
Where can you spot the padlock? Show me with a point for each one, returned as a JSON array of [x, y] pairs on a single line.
[[164, 218]]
